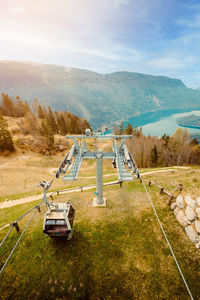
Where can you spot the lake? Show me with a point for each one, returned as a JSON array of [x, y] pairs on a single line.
[[167, 123]]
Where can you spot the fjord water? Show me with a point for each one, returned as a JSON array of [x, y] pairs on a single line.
[[167, 124]]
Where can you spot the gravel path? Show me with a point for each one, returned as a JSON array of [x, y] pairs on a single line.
[[10, 203]]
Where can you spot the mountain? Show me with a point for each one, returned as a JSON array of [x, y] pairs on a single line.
[[100, 98]]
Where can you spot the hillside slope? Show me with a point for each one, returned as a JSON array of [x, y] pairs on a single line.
[[117, 252], [101, 99]]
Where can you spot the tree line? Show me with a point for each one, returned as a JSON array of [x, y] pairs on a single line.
[[37, 119], [152, 151]]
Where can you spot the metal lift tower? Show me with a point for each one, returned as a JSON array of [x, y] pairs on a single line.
[[121, 159]]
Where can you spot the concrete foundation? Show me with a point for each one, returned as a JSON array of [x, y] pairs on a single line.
[[97, 204]]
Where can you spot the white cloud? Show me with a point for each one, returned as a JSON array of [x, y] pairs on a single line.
[[118, 3], [18, 10], [192, 7], [24, 39], [171, 63], [192, 23]]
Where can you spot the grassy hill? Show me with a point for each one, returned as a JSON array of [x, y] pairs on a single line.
[[117, 252], [100, 98]]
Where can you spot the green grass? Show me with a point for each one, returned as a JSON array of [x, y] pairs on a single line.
[[117, 252]]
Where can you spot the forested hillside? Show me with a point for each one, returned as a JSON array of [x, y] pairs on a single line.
[[152, 151], [35, 126]]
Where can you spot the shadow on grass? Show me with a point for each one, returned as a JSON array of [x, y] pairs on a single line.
[[110, 259]]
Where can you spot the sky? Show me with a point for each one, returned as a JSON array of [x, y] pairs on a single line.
[[158, 37]]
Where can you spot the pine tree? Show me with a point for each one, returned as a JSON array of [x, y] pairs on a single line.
[[26, 108], [154, 156], [8, 106], [121, 128], [52, 121], [165, 140], [40, 112], [6, 142], [20, 111], [46, 131], [63, 126], [129, 129]]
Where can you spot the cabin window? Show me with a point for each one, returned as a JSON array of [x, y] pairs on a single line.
[[60, 222], [50, 222]]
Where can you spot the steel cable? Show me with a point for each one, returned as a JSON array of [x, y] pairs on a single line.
[[5, 238], [166, 238], [12, 224], [29, 221]]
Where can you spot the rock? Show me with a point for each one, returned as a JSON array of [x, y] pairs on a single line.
[[180, 202], [189, 222], [198, 245], [198, 201], [61, 147], [176, 210], [198, 212], [182, 218], [192, 234], [190, 213], [190, 202], [173, 205], [197, 225]]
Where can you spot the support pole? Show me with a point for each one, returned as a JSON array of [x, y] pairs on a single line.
[[99, 200], [15, 224]]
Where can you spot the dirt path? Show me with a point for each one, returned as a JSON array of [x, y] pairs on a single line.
[[13, 159], [10, 203]]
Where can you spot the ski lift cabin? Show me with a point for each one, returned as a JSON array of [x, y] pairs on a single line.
[[58, 221]]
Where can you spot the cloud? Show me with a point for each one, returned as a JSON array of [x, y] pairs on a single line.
[[118, 3], [18, 10], [192, 7], [191, 23], [147, 36], [171, 63]]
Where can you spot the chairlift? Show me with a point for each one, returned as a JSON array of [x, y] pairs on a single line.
[[58, 221]]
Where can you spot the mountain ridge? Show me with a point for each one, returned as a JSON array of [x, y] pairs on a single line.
[[100, 98]]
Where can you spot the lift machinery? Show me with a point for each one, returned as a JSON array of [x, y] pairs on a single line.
[[120, 156], [58, 221]]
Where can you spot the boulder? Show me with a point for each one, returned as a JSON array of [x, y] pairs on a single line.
[[198, 212], [198, 201], [173, 205], [190, 213], [192, 234], [181, 218], [180, 202], [197, 225], [190, 202]]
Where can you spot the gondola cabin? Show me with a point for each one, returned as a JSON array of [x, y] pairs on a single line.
[[58, 221]]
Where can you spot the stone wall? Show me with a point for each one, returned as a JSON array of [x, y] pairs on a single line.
[[187, 212]]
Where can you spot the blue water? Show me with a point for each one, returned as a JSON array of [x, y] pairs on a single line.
[[168, 125]]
